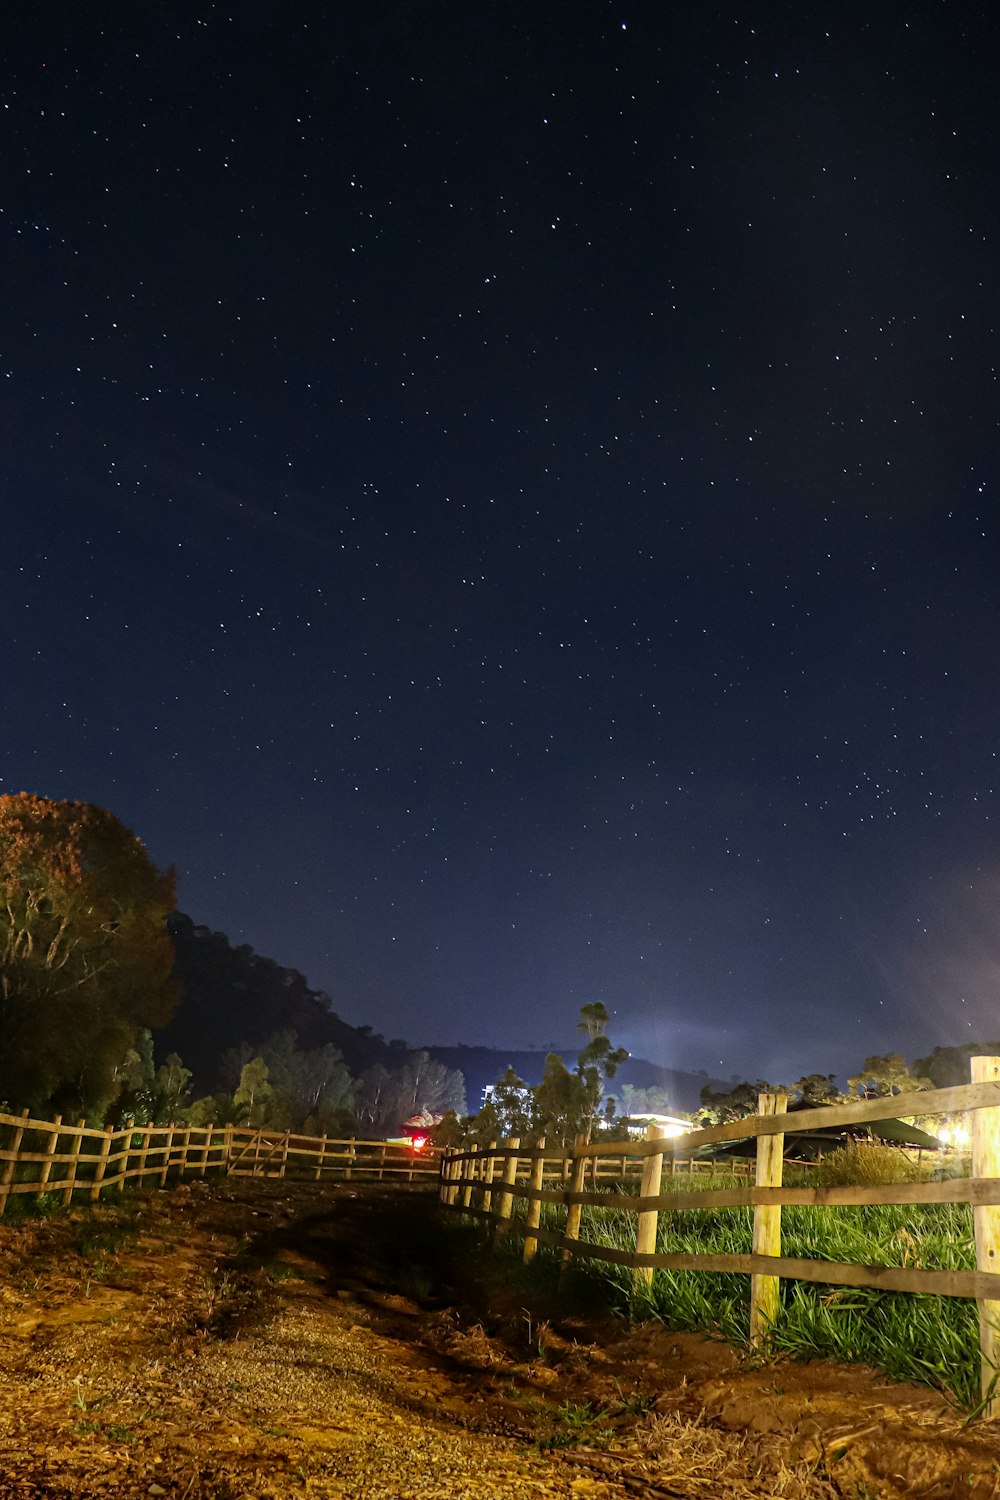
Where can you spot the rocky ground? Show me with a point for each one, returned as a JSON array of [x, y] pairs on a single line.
[[264, 1339]]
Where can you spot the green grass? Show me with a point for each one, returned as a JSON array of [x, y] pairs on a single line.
[[912, 1337]]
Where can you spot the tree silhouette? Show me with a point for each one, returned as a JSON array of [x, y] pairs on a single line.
[[84, 956]]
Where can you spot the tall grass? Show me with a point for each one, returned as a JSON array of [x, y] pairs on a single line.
[[913, 1337]]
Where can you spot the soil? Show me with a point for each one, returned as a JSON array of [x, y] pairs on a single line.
[[262, 1339]]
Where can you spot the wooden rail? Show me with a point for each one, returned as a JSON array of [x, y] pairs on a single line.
[[52, 1156], [546, 1175]]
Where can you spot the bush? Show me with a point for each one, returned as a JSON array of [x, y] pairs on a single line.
[[865, 1164]]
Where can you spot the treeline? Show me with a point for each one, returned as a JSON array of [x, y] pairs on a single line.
[[279, 1085], [567, 1103], [882, 1076], [95, 963]]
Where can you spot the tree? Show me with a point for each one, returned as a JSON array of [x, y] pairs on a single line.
[[567, 1103], [171, 1088], [738, 1104], [85, 959], [559, 1103], [256, 1102], [816, 1089], [884, 1077], [514, 1104], [312, 1083], [597, 1064], [651, 1101], [387, 1098]]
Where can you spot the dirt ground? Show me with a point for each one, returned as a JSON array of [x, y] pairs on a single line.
[[266, 1339]]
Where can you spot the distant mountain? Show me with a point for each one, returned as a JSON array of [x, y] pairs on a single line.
[[484, 1065], [233, 995]]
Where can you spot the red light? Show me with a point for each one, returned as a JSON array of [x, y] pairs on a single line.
[[419, 1142]]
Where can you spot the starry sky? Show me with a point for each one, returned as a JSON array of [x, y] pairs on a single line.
[[503, 497]]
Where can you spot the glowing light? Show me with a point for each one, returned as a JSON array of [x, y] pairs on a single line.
[[956, 1134]]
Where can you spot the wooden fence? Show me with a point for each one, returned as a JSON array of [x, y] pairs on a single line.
[[52, 1156], [486, 1182]]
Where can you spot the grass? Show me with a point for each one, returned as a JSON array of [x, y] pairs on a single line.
[[911, 1337]]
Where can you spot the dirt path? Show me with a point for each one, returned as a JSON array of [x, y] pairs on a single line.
[[263, 1340]]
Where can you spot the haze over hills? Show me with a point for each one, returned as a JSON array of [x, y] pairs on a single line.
[[482, 1066], [235, 995]]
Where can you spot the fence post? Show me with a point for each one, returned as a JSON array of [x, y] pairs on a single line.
[[457, 1168], [8, 1171], [319, 1158], [165, 1166], [147, 1131], [284, 1153], [102, 1164], [50, 1151], [645, 1229], [765, 1290], [489, 1167], [986, 1219], [574, 1211], [74, 1161], [468, 1177], [506, 1199], [534, 1218]]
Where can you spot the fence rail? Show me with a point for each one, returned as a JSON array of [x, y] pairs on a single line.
[[55, 1156], [541, 1175]]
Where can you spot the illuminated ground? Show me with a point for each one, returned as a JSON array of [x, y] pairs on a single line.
[[265, 1339]]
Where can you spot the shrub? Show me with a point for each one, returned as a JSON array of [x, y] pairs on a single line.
[[865, 1164]]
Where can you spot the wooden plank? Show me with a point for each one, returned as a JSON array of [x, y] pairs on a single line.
[[765, 1290], [986, 1222]]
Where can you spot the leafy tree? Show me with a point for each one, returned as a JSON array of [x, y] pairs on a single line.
[[375, 1100], [314, 1084], [597, 1064], [720, 1107], [171, 1088], [651, 1101], [514, 1104], [568, 1103], [885, 1076], [256, 1102], [387, 1098], [559, 1102], [948, 1066], [817, 1089], [84, 956], [449, 1130]]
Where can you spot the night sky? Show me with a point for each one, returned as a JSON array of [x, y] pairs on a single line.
[[503, 497]]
